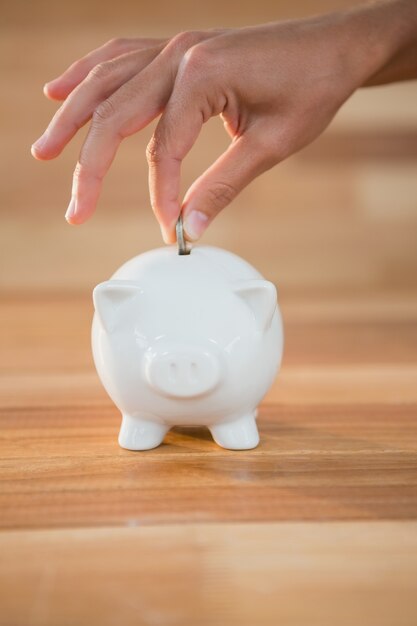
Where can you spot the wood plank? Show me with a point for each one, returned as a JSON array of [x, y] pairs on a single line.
[[302, 574], [338, 427], [64, 468]]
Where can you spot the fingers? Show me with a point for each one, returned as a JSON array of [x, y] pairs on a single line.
[[127, 111], [196, 97], [246, 158], [175, 134], [173, 138], [101, 82], [60, 87]]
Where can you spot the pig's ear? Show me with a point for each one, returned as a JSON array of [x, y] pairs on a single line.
[[261, 296], [109, 297]]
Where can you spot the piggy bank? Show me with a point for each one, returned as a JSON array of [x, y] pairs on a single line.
[[187, 340]]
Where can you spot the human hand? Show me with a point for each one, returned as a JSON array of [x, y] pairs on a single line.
[[276, 87]]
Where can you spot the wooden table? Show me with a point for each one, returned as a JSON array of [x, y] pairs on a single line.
[[315, 527]]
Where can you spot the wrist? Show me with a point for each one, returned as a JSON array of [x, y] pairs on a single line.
[[376, 33]]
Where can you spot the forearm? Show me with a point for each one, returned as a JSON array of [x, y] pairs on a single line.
[[385, 34]]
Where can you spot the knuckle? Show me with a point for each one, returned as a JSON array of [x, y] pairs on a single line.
[[220, 194], [80, 65], [154, 151], [196, 58], [117, 43], [78, 172], [184, 40], [101, 71], [105, 112], [82, 173], [85, 171]]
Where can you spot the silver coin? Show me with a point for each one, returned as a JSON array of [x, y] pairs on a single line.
[[183, 247]]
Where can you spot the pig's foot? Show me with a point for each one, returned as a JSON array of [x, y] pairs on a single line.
[[239, 434], [137, 433]]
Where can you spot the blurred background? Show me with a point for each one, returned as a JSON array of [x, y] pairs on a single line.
[[340, 216]]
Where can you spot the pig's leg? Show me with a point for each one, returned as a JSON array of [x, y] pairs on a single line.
[[137, 433], [238, 434]]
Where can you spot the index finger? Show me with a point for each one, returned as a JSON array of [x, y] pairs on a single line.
[[59, 88], [174, 136], [128, 110]]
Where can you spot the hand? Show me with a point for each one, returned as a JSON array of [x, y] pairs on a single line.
[[276, 87]]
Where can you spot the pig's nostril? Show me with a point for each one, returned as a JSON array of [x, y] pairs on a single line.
[[183, 374], [193, 371], [173, 371]]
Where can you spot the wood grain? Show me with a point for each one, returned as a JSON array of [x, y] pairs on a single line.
[[314, 527], [303, 574], [338, 428]]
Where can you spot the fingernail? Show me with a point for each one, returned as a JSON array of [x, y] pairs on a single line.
[[39, 143], [49, 84], [195, 224], [72, 208], [164, 234]]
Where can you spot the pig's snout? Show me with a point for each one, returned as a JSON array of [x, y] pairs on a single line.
[[184, 374]]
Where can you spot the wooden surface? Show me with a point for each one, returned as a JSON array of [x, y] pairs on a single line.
[[318, 525], [211, 574]]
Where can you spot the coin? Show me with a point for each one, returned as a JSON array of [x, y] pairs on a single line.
[[183, 247]]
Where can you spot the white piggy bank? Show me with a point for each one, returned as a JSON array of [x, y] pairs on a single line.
[[187, 340]]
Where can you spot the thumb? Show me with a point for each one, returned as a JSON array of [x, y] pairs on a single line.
[[244, 160]]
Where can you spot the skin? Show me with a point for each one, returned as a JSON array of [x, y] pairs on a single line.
[[276, 87]]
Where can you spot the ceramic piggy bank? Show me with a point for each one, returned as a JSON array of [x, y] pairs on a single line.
[[191, 340]]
